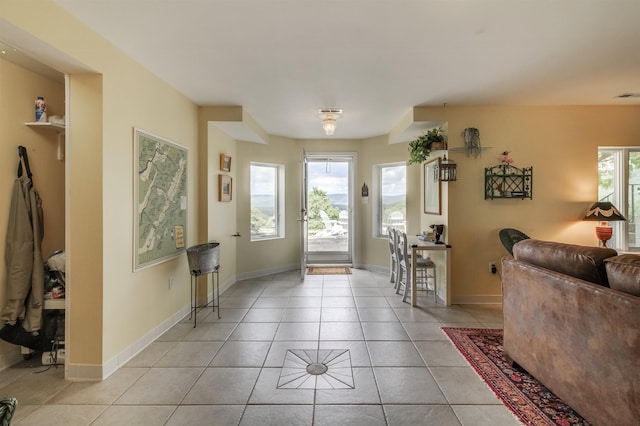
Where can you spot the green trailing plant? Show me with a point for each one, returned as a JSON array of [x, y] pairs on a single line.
[[420, 148]]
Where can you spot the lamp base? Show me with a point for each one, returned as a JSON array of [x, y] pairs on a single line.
[[604, 233]]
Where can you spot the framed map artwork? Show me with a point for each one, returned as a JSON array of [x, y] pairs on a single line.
[[160, 199]]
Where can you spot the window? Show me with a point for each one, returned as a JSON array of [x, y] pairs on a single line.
[[267, 201], [619, 183], [390, 197]]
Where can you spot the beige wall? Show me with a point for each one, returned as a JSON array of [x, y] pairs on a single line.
[[18, 91], [257, 258], [560, 143], [374, 252], [262, 257], [131, 307], [222, 218], [84, 209]]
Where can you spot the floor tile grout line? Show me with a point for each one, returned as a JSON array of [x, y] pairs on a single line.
[[478, 319]]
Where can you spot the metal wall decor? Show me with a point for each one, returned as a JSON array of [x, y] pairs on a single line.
[[506, 181]]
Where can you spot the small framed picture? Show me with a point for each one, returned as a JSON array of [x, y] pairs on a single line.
[[225, 163], [225, 188]]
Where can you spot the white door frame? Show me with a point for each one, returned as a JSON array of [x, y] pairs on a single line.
[[338, 257]]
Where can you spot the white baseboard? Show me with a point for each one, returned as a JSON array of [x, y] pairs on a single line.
[[265, 272], [373, 268]]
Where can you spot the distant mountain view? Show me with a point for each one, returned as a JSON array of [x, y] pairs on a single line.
[[341, 201], [342, 198]]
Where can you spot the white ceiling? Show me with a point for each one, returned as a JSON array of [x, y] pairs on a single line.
[[282, 60]]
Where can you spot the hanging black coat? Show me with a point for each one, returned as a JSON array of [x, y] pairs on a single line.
[[23, 253]]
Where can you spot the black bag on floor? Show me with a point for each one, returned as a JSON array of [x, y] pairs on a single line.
[[19, 336]]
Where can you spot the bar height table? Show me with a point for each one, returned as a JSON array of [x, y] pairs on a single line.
[[418, 245]]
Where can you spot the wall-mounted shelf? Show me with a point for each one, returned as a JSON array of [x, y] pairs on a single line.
[[506, 181], [54, 304], [46, 124], [59, 128]]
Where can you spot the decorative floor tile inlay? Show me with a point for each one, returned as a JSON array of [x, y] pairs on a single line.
[[316, 369]]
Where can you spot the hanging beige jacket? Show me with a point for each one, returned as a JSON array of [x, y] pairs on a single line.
[[23, 254]]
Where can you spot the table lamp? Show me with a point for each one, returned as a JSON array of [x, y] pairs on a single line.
[[603, 212]]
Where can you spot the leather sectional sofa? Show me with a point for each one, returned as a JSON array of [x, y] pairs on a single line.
[[572, 320]]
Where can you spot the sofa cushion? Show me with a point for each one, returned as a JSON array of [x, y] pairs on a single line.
[[586, 263], [623, 273]]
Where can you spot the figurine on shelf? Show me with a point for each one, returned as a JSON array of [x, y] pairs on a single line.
[[497, 191], [41, 110], [505, 161]]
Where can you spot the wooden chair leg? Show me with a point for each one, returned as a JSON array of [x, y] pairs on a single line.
[[399, 281], [407, 286], [435, 287]]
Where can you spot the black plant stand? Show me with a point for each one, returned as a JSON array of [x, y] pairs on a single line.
[[215, 298]]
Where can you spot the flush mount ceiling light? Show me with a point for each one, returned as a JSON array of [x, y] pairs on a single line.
[[329, 117]]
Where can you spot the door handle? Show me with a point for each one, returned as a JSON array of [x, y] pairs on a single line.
[[237, 234]]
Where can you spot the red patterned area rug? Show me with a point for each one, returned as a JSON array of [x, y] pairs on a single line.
[[531, 402]]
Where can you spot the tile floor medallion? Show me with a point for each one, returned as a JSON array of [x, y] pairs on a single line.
[[316, 369]]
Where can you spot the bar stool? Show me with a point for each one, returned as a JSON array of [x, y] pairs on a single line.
[[425, 269], [393, 257]]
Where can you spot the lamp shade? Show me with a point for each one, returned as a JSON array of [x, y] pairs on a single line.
[[603, 211]]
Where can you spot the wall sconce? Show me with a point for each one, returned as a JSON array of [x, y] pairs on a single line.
[[603, 212], [447, 170], [365, 193]]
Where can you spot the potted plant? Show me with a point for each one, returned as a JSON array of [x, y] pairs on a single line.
[[421, 147]]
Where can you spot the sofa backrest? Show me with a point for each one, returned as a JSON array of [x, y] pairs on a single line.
[[586, 263]]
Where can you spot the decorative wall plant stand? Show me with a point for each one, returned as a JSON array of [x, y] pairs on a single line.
[[507, 181]]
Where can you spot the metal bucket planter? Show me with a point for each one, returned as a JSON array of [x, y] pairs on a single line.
[[203, 258]]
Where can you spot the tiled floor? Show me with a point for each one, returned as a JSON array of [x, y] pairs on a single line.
[[403, 369]]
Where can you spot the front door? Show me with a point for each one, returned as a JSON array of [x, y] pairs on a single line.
[[329, 199], [303, 217]]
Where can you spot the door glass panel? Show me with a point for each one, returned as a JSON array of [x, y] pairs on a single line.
[[328, 206]]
